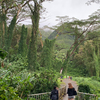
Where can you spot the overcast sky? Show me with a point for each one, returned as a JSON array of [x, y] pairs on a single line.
[[72, 8]]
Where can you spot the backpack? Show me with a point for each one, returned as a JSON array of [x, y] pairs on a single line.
[[74, 92], [54, 97]]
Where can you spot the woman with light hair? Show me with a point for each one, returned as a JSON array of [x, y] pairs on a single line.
[[71, 92]]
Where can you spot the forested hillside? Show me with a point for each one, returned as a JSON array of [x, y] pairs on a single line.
[[63, 42]]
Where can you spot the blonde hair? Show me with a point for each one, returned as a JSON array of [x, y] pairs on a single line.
[[70, 85]]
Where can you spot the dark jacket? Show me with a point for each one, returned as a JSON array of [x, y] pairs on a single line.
[[54, 93], [70, 91]]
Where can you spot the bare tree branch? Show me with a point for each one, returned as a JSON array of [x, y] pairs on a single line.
[[82, 34], [17, 6]]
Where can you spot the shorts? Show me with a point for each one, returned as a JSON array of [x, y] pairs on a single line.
[[70, 97]]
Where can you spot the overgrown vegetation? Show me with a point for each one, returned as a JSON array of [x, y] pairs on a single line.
[[88, 85], [17, 82], [31, 59]]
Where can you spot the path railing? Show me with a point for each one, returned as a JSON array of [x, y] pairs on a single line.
[[85, 96], [39, 96], [46, 96], [62, 93]]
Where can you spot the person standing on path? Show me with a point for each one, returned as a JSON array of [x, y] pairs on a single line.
[[71, 92], [54, 94]]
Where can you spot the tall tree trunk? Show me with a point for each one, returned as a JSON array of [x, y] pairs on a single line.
[[32, 54], [3, 24], [65, 63]]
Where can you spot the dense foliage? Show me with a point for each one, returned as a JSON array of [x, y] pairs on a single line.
[[17, 82], [88, 85], [31, 59]]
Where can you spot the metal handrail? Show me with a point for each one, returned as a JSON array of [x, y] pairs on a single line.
[[39, 94], [85, 96], [88, 94]]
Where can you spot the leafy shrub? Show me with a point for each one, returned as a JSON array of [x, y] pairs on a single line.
[[45, 80], [95, 78], [57, 65], [7, 92], [23, 82], [16, 63], [3, 53], [84, 88], [88, 85]]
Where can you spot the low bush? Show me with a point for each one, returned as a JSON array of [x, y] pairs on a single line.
[[88, 85], [22, 83], [7, 92]]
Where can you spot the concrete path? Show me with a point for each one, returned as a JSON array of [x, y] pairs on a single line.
[[66, 81]]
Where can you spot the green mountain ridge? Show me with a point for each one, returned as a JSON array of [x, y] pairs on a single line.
[[62, 44]]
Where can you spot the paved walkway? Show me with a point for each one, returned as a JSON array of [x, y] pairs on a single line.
[[66, 81]]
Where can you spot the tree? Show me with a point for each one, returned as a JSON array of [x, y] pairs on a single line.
[[86, 26], [47, 54], [10, 8], [35, 16], [22, 43], [9, 34], [88, 54], [81, 28], [93, 1]]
